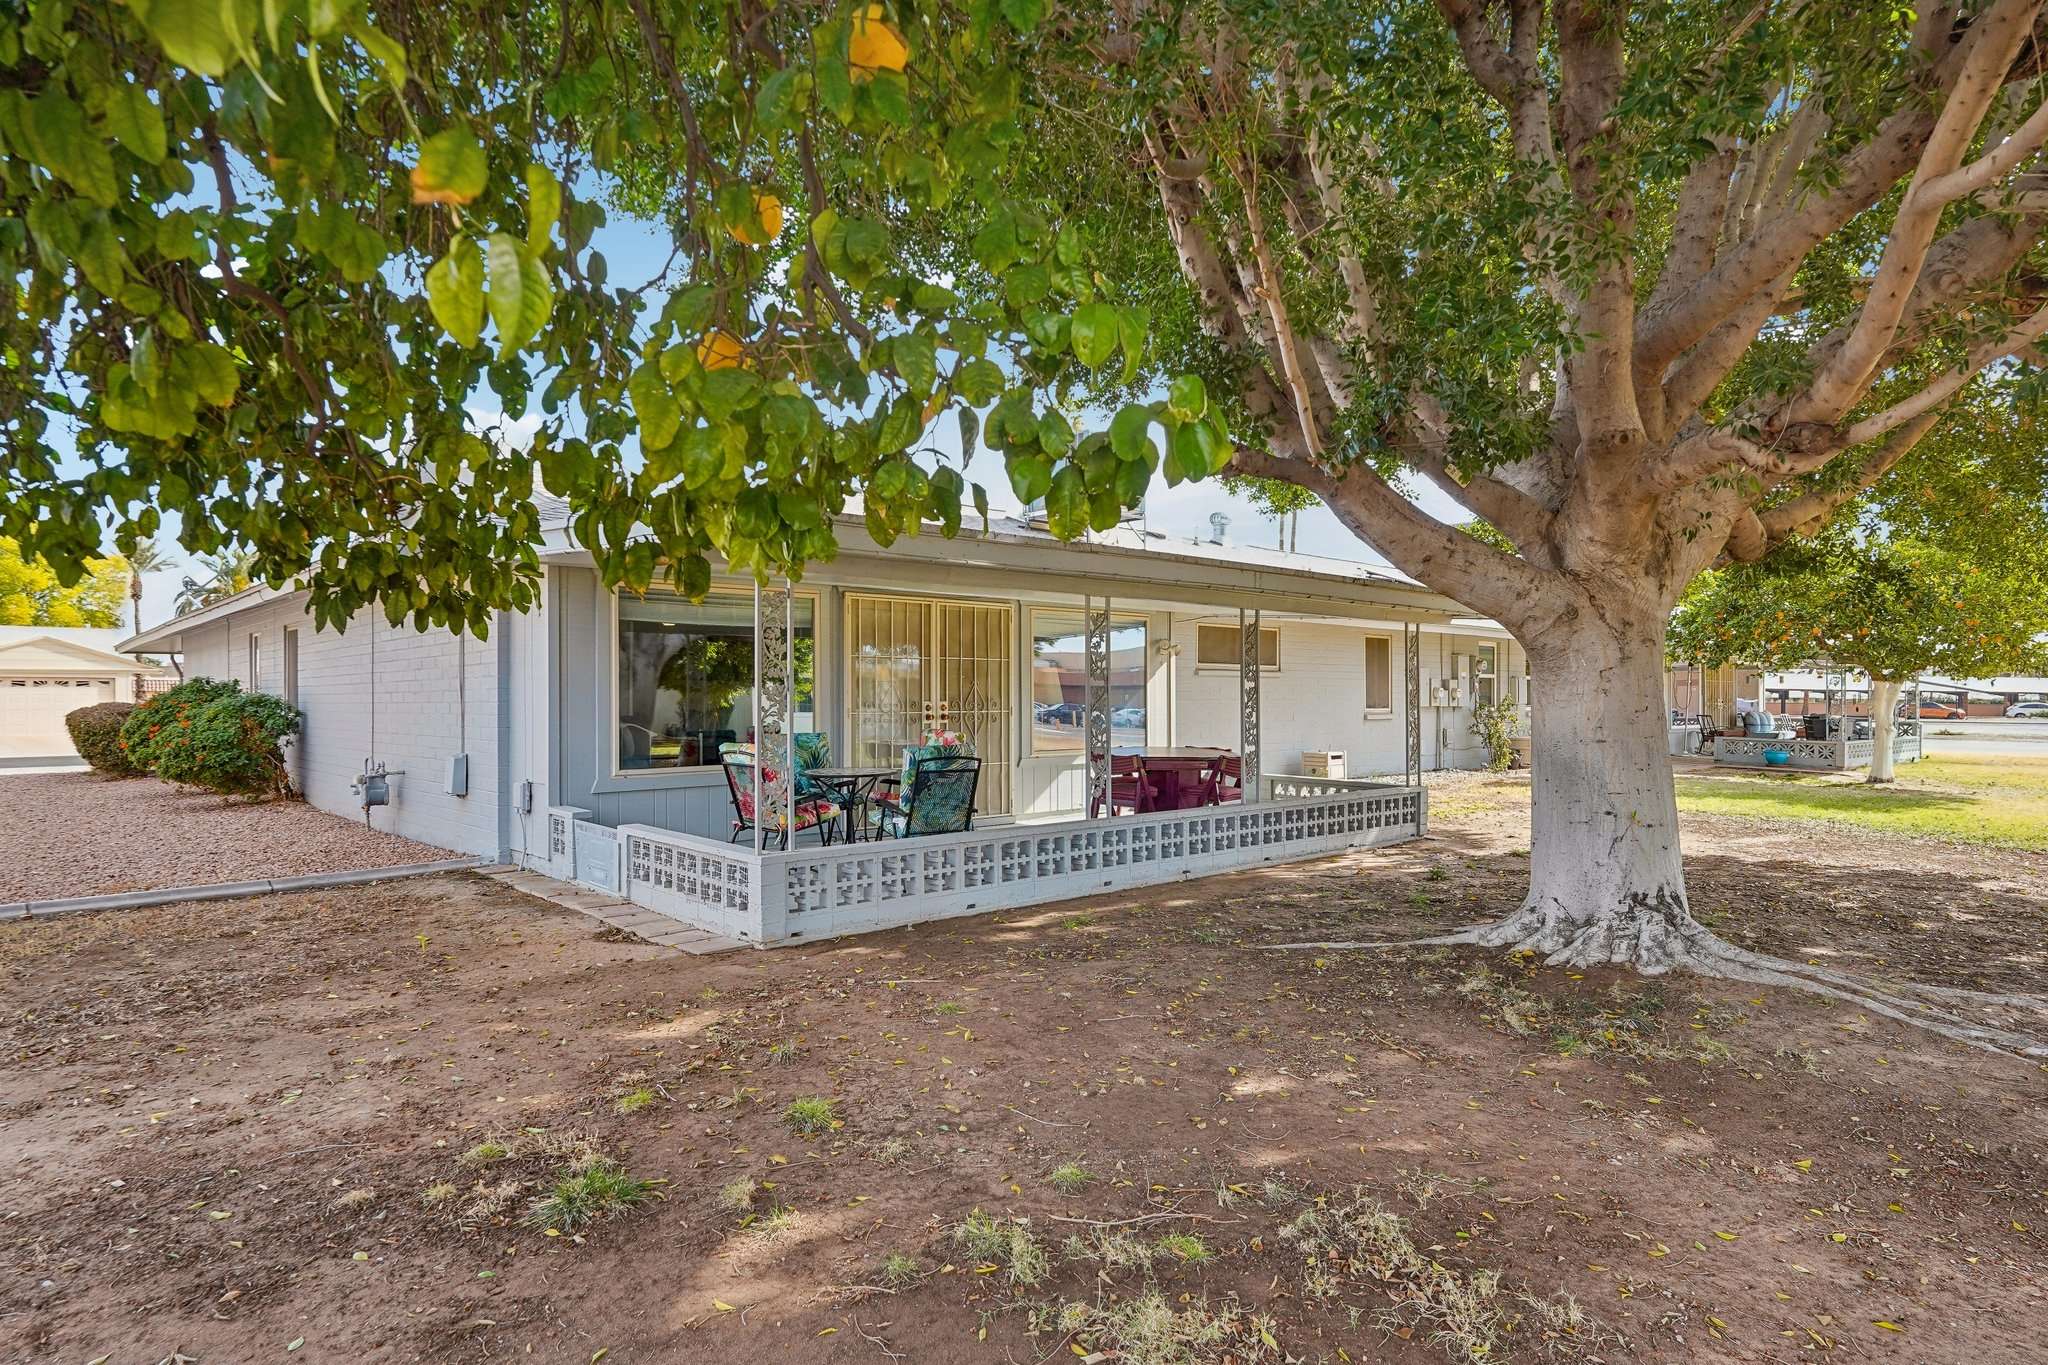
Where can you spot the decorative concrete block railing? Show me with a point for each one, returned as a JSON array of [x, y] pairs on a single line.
[[699, 881], [1819, 755], [819, 892], [1288, 787], [816, 893]]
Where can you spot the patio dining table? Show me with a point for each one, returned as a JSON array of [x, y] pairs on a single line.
[[1176, 772], [852, 786]]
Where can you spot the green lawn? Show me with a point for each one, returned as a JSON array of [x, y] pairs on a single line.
[[2002, 801]]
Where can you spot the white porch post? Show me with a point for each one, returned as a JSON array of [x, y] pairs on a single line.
[[1411, 669], [1248, 702], [774, 745], [1095, 718]]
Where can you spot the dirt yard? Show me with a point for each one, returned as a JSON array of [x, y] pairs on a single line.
[[81, 834], [364, 1126]]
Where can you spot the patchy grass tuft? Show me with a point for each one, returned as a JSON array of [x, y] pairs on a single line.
[[1186, 1247], [633, 1101], [437, 1194], [485, 1153], [1069, 1177], [737, 1196], [599, 1191], [810, 1114], [775, 1224], [900, 1268], [1465, 1313], [1151, 1330], [1005, 1242]]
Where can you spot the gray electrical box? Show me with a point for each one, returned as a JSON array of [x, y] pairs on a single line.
[[458, 775], [524, 799]]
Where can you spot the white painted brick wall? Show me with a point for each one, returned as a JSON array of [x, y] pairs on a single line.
[[380, 693], [1314, 700]]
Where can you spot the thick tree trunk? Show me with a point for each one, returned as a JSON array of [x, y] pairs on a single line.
[[1884, 701], [1605, 882]]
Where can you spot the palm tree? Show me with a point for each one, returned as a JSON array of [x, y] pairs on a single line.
[[224, 575], [146, 557]]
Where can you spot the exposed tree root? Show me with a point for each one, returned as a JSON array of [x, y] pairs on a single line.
[[1655, 936]]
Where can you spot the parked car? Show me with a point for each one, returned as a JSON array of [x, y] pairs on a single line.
[[2027, 710], [1937, 710]]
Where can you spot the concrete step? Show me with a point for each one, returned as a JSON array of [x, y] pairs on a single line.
[[656, 928]]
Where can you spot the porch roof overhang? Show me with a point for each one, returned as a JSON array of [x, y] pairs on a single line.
[[1143, 571], [166, 637]]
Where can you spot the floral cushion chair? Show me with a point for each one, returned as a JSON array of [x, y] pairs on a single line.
[[811, 813], [940, 741], [938, 800], [813, 749]]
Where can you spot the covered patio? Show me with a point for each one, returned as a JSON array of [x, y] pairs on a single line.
[[1108, 775], [1836, 737]]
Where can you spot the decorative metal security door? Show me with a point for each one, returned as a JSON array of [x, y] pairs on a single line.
[[906, 657]]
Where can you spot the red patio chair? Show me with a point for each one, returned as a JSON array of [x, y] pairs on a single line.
[[1128, 788], [1226, 780]]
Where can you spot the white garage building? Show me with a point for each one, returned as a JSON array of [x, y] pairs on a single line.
[[47, 672]]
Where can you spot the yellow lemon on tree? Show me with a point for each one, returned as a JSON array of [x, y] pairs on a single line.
[[767, 224], [721, 351], [875, 45]]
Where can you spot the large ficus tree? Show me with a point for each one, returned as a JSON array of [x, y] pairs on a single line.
[[1642, 287]]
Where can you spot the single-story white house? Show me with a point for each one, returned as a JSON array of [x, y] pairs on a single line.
[[582, 739], [47, 672]]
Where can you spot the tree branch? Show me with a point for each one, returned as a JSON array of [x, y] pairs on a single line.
[[1514, 512], [1951, 383], [1995, 164], [1449, 561], [1994, 41], [1802, 514]]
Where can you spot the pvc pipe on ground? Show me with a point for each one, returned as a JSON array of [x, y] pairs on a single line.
[[216, 891]]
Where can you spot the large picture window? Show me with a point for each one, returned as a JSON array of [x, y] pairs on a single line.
[[1059, 682], [686, 676]]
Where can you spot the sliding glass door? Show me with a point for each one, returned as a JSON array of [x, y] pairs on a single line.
[[907, 656]]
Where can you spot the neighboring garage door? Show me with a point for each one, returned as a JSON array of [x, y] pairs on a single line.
[[32, 712]]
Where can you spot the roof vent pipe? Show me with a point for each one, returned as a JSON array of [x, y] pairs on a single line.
[[1219, 528]]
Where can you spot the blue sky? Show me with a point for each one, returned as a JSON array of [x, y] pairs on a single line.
[[635, 251]]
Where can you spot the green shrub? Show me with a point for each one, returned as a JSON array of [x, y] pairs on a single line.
[[96, 734], [1495, 724], [233, 743], [162, 718]]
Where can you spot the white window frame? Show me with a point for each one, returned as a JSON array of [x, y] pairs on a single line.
[[255, 659], [1378, 712], [288, 665], [1232, 666], [1492, 676], [744, 590]]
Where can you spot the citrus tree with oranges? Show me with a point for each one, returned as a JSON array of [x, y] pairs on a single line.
[[1892, 609]]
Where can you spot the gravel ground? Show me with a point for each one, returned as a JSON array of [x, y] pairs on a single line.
[[78, 834]]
